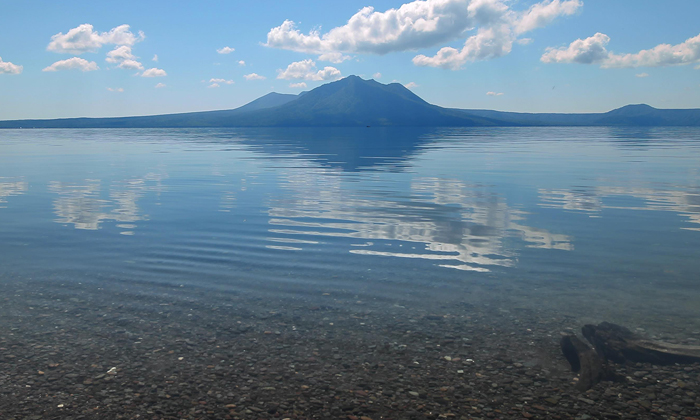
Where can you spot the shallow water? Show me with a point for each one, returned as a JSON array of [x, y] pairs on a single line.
[[601, 223]]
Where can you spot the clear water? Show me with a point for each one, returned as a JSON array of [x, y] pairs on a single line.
[[597, 222]]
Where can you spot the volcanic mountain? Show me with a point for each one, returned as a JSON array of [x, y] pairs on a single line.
[[355, 102]]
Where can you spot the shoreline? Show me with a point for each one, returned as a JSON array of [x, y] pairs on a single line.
[[201, 354]]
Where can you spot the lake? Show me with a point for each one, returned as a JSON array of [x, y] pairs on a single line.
[[577, 224]]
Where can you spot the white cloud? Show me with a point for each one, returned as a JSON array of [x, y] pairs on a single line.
[[254, 76], [115, 89], [524, 41], [120, 53], [241, 63], [411, 85], [124, 57], [377, 75], [228, 82], [130, 65], [72, 63], [160, 85], [226, 50], [584, 51], [662, 55], [642, 75], [306, 70], [84, 39], [8, 68], [542, 14], [426, 23], [334, 57], [154, 72], [155, 57], [213, 85], [593, 50], [494, 93], [298, 85]]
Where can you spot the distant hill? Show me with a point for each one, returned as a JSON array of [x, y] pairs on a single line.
[[629, 115], [354, 102]]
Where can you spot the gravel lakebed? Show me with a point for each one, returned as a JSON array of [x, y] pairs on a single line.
[[72, 351]]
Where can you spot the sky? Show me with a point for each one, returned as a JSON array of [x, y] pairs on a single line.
[[109, 58]]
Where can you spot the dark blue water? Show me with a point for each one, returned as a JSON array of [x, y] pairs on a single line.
[[575, 219]]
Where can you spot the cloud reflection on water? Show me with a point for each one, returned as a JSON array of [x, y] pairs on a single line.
[[685, 203], [458, 225], [82, 204], [10, 187]]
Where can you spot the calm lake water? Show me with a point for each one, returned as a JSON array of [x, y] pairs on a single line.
[[597, 222]]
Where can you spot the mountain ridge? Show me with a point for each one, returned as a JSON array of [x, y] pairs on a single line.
[[356, 102]]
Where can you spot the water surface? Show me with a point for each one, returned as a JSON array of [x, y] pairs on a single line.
[[599, 222]]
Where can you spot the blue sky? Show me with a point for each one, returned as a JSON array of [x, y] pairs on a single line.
[[76, 58]]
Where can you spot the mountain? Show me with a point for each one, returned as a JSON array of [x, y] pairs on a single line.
[[354, 102]]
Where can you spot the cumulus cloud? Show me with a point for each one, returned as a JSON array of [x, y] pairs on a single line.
[[662, 55], [411, 85], [377, 75], [254, 76], [641, 75], [426, 23], [228, 82], [593, 50], [74, 63], [213, 85], [334, 57], [524, 41], [85, 39], [154, 72], [115, 89], [119, 54], [155, 57], [298, 85], [130, 65], [241, 63], [494, 93], [124, 57], [226, 50], [306, 70], [160, 85], [8, 68]]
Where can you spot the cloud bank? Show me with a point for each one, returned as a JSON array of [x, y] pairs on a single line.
[[423, 24], [593, 50]]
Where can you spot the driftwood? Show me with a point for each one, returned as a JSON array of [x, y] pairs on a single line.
[[620, 345], [590, 366]]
